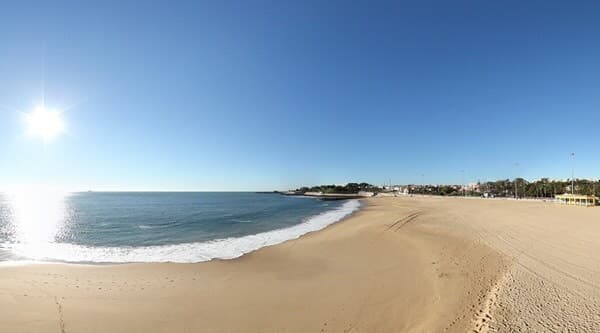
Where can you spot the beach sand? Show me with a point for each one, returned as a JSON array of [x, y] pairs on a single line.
[[399, 264]]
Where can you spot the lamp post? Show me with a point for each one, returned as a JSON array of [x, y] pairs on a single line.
[[462, 181], [423, 183], [516, 177], [572, 173]]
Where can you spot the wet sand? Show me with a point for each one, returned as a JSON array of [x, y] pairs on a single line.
[[400, 264]]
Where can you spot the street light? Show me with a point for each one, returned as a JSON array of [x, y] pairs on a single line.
[[516, 176], [462, 180], [572, 173]]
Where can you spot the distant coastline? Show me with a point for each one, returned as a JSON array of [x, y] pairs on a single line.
[[520, 188], [327, 196]]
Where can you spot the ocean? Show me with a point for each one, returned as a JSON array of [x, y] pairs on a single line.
[[120, 227]]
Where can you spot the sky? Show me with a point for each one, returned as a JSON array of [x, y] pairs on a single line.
[[261, 95]]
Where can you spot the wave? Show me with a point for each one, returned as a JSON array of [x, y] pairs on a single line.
[[241, 221], [227, 248], [158, 226]]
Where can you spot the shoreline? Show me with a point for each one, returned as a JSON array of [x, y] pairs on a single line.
[[363, 273], [194, 252], [18, 263]]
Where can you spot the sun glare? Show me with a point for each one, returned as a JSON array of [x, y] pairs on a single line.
[[44, 124], [35, 217]]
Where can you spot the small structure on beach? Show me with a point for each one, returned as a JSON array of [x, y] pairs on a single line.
[[577, 199]]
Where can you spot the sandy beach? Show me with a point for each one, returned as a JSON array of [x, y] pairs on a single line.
[[399, 264]]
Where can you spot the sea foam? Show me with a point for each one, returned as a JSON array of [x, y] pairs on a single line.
[[227, 248]]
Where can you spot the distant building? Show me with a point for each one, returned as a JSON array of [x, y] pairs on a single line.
[[577, 199], [475, 187], [402, 190]]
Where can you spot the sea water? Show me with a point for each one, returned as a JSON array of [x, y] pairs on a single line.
[[117, 227]]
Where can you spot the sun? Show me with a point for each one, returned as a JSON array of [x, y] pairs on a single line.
[[44, 124]]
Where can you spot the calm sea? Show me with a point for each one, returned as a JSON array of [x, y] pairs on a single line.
[[154, 227]]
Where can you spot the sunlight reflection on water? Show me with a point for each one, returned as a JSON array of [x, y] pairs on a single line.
[[33, 219]]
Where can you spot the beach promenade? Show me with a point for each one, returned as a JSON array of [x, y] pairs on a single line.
[[415, 264]]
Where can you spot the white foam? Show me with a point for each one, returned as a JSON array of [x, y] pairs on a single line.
[[227, 248]]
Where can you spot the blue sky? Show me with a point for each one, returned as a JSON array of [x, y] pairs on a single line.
[[253, 95]]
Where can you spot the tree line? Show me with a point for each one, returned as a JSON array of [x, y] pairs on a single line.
[[543, 188], [350, 188]]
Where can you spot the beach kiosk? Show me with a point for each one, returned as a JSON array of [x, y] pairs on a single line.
[[577, 199]]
